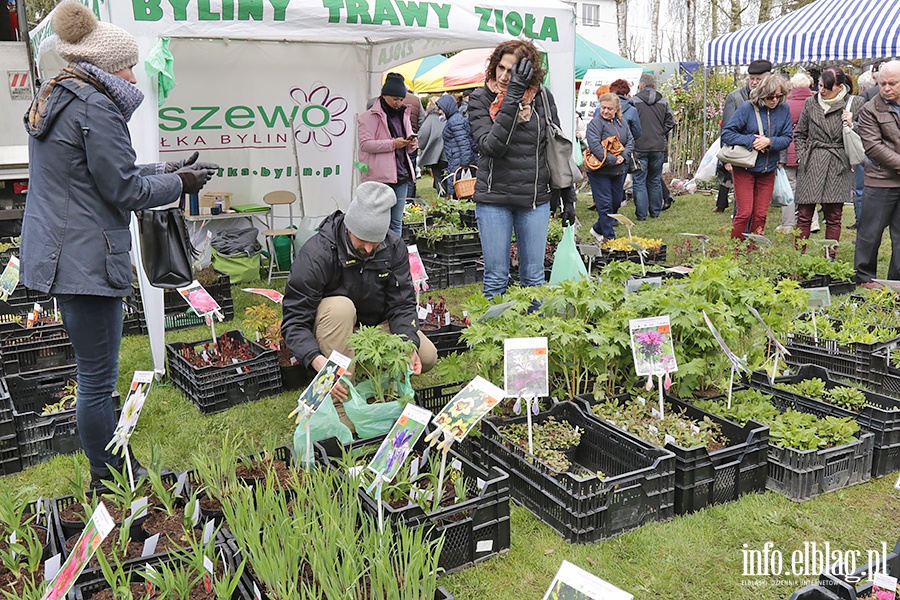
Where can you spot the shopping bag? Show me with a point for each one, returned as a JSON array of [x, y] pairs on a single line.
[[567, 263], [707, 169], [371, 420], [782, 195], [323, 423]]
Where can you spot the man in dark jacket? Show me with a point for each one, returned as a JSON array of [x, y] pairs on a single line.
[[651, 148], [756, 71], [353, 271], [879, 128], [459, 145]]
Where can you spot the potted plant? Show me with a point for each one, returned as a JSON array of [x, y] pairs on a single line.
[[265, 321]]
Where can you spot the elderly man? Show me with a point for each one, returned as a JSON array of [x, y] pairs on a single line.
[[353, 271], [757, 70], [879, 128]]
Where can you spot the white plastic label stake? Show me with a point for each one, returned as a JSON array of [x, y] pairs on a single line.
[[655, 412], [208, 530], [484, 546], [668, 439], [150, 545], [180, 483], [51, 567], [195, 516], [208, 565], [652, 429]]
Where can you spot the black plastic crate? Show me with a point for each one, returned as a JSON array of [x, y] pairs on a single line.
[[453, 271], [703, 478], [410, 232], [813, 592], [804, 474], [850, 359], [36, 349], [859, 583], [884, 378], [835, 287], [474, 530], [176, 312], [214, 389], [452, 244], [653, 256], [7, 422], [9, 455], [638, 488], [881, 416], [446, 339], [24, 298]]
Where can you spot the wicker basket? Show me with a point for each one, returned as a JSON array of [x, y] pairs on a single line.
[[464, 188]]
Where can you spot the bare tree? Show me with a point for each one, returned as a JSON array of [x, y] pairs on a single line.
[[38, 9], [765, 10], [622, 26], [654, 30]]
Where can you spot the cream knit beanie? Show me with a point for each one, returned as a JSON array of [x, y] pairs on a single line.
[[82, 37]]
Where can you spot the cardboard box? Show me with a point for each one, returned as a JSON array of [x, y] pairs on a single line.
[[208, 201]]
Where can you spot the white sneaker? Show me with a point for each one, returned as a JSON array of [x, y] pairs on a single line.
[[600, 239]]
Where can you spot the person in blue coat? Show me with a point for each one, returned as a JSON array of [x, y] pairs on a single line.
[[607, 181], [83, 185], [753, 186], [459, 145], [622, 89]]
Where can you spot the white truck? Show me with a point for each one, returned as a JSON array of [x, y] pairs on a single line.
[[16, 64]]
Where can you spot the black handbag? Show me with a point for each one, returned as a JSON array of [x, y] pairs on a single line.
[[166, 250], [635, 165]]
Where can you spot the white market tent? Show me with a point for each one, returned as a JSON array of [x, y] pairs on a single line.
[[270, 89], [822, 31]]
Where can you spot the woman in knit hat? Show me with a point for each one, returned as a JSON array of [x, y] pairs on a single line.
[[386, 140], [83, 185]]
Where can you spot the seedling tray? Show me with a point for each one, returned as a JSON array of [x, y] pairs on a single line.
[[214, 389], [654, 255], [452, 244], [474, 530], [36, 349], [453, 271], [835, 287], [885, 378], [702, 477], [881, 416], [638, 487], [446, 339]]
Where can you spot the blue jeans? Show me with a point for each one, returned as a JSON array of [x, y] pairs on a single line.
[[648, 196], [496, 223], [400, 190], [94, 325], [605, 189]]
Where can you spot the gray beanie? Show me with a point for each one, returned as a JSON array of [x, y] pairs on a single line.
[[369, 214], [84, 38]]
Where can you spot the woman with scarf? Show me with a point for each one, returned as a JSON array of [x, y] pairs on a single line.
[[83, 185], [824, 174], [512, 189], [610, 140], [386, 140]]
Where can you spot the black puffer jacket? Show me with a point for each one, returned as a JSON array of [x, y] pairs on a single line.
[[512, 166], [380, 288]]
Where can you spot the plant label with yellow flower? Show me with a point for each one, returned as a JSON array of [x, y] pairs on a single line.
[[466, 408], [321, 385]]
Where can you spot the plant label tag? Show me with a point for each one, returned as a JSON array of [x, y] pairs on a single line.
[[200, 300], [150, 545], [95, 531], [12, 540], [651, 346], [642, 401], [495, 311], [484, 546], [51, 566], [465, 410], [425, 454], [883, 581], [257, 595], [655, 412], [480, 483], [897, 485], [208, 531], [668, 439], [131, 410], [819, 297], [207, 577], [399, 442], [694, 429], [574, 582], [320, 387], [652, 429], [429, 308], [195, 514], [138, 510], [446, 318], [456, 464], [633, 285], [9, 279], [355, 471], [423, 313], [413, 468], [526, 367], [180, 483], [208, 565]]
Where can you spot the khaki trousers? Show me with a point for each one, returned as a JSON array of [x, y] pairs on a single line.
[[336, 320]]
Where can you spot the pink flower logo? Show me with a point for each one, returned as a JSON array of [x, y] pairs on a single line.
[[318, 116]]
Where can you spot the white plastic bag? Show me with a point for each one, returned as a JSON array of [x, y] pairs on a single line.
[[782, 195], [707, 169]]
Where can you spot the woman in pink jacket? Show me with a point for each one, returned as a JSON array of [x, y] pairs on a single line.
[[386, 140]]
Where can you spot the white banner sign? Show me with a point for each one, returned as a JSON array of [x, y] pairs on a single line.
[[594, 78]]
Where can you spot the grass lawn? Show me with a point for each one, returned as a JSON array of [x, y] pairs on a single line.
[[694, 557]]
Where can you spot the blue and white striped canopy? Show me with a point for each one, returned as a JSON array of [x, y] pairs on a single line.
[[823, 30]]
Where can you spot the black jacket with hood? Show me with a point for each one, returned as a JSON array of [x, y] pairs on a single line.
[[657, 121], [380, 287]]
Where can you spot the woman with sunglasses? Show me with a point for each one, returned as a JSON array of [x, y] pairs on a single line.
[[824, 174], [753, 186]]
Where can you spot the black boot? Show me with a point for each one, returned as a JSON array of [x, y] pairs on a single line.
[[99, 475]]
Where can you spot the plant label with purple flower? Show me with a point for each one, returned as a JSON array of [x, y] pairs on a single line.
[[466, 408], [9, 279], [574, 583], [526, 367], [399, 442], [321, 385], [651, 345], [200, 300]]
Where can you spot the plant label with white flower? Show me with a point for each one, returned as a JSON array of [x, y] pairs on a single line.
[[131, 411]]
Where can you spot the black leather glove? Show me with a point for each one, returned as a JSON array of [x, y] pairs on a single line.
[[193, 180], [568, 214], [520, 79], [191, 161]]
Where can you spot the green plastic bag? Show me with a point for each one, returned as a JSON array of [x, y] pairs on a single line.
[[370, 420], [323, 423], [567, 263], [240, 267]]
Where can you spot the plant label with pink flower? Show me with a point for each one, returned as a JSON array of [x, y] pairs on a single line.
[[321, 385], [399, 442], [95, 531], [200, 300], [526, 367], [466, 409], [273, 295], [884, 587], [651, 345], [416, 267]]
